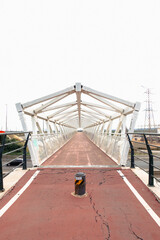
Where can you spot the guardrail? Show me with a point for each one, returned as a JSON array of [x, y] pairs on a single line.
[[44, 145], [114, 145], [10, 146], [145, 145]]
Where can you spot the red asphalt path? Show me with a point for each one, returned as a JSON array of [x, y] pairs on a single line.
[[79, 151], [47, 210]]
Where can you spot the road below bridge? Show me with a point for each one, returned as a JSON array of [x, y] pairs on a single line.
[[42, 205]]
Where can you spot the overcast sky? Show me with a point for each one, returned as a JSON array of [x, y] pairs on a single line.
[[45, 46]]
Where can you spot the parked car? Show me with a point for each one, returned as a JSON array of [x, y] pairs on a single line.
[[15, 162]]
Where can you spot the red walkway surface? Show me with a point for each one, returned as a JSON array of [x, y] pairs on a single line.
[[79, 151], [47, 210]]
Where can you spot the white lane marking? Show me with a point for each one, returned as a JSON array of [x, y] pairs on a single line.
[[141, 200], [9, 204]]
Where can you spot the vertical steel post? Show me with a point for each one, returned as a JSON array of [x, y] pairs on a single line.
[[151, 170], [32, 148], [24, 153], [1, 170], [132, 151]]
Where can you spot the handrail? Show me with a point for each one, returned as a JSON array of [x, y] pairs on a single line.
[[14, 133], [2, 148], [149, 152], [146, 133], [7, 144]]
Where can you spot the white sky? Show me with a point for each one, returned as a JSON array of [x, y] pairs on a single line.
[[111, 46]]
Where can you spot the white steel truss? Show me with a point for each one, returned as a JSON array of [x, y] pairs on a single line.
[[90, 110]]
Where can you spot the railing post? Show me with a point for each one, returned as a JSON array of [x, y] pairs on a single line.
[[151, 170], [132, 152], [24, 153], [1, 170]]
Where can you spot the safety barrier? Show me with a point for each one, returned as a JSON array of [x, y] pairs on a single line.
[[145, 144], [114, 145], [42, 146], [10, 145]]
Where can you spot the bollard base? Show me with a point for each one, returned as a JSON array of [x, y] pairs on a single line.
[[79, 196]]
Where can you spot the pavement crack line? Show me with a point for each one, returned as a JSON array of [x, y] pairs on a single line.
[[130, 225], [103, 181], [104, 224], [134, 233]]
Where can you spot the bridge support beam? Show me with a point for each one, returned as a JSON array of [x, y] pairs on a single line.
[[31, 144]]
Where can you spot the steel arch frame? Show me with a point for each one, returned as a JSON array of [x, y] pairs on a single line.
[[95, 117]]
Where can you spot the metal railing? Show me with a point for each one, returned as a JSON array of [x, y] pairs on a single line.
[[9, 147], [146, 144], [45, 145], [114, 145]]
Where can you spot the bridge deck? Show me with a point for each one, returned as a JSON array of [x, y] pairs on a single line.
[[79, 151], [48, 210]]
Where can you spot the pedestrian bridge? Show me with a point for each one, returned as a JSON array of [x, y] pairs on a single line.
[[53, 120], [43, 204], [70, 129]]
